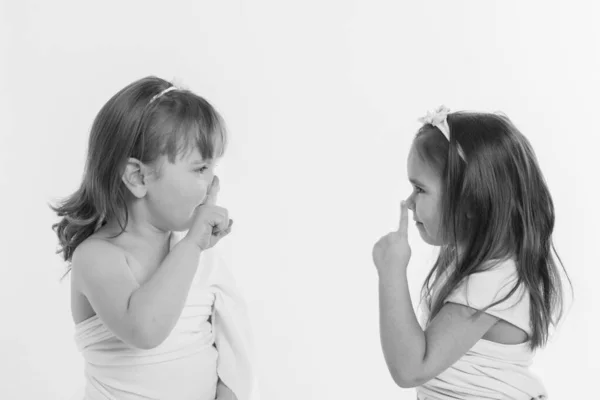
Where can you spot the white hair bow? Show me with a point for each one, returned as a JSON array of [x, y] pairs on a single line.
[[438, 118]]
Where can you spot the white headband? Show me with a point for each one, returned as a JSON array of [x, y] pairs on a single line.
[[438, 119], [161, 93]]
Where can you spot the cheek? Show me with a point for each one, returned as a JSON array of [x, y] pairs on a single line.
[[427, 212], [190, 194], [195, 188], [202, 190], [422, 208], [435, 225], [187, 191]]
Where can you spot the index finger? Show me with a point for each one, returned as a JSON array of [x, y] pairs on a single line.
[[403, 226], [213, 191]]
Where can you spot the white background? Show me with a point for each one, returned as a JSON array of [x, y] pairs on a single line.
[[321, 99]]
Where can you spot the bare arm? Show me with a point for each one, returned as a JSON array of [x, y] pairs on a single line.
[[413, 356], [142, 316]]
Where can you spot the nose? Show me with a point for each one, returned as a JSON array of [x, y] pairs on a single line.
[[410, 202]]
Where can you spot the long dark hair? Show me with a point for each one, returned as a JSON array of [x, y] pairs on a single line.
[[133, 123], [496, 205]]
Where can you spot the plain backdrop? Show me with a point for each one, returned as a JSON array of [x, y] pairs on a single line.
[[321, 99]]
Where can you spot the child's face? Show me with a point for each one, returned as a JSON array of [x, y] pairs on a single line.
[[424, 201], [178, 189]]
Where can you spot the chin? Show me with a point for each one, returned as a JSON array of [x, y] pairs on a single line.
[[429, 240], [181, 224]]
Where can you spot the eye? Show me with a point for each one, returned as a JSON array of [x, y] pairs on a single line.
[[201, 169], [419, 190]]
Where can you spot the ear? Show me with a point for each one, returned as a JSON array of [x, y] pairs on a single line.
[[135, 178]]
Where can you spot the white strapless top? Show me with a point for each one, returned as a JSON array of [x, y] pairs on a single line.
[[188, 364]]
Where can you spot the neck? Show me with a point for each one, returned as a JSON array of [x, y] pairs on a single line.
[[139, 225]]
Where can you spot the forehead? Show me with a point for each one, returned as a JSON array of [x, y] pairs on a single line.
[[183, 161], [189, 150], [420, 172], [194, 156]]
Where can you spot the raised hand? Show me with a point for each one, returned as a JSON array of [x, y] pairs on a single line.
[[211, 222], [392, 251]]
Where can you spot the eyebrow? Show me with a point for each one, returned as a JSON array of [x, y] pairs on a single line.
[[416, 182], [208, 161]]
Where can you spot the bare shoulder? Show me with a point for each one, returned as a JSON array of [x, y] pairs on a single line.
[[103, 285], [95, 259]]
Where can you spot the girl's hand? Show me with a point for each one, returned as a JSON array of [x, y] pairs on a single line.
[[392, 252], [211, 222], [224, 393]]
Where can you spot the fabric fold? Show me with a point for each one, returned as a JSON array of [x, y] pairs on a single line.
[[211, 340], [232, 328]]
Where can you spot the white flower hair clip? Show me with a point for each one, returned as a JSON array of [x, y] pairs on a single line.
[[438, 118]]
